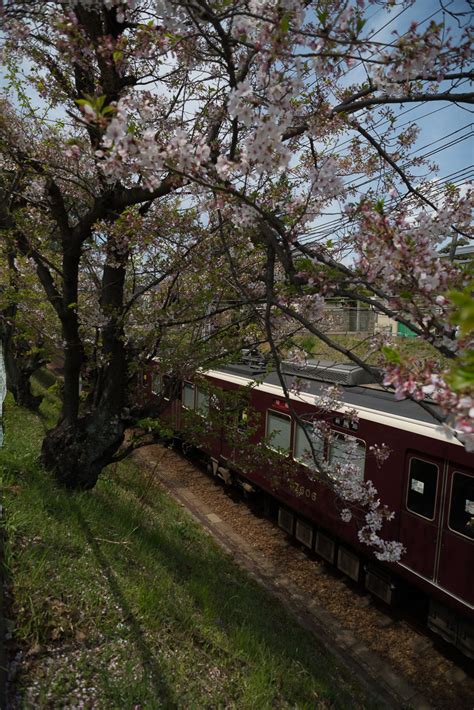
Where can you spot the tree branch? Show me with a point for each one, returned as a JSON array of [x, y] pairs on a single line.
[[347, 108]]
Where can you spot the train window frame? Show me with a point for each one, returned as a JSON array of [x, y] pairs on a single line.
[[166, 379], [193, 386], [301, 461], [243, 416], [202, 411], [154, 377], [346, 435], [282, 415], [413, 512], [456, 532]]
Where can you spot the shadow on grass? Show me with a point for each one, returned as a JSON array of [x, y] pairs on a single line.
[[236, 605], [4, 585], [148, 659], [218, 614]]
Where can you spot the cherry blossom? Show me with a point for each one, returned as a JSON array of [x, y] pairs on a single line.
[[161, 130]]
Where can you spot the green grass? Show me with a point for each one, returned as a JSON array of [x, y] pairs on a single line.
[[409, 348], [46, 384], [120, 600]]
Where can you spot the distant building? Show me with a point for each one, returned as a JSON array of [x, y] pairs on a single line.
[[343, 316]]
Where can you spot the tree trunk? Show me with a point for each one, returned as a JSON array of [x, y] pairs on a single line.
[[83, 443], [21, 360], [19, 369], [19, 385], [76, 454]]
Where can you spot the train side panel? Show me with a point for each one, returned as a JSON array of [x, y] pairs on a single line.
[[427, 482], [438, 559]]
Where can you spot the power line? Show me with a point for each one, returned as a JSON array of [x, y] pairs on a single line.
[[383, 121], [458, 177], [425, 155], [448, 135]]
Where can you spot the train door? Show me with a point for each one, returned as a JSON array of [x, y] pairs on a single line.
[[420, 513], [456, 554]]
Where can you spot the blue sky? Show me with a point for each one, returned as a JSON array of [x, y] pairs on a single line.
[[436, 120], [451, 117], [455, 159]]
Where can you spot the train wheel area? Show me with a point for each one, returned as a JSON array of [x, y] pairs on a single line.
[[411, 667], [405, 599]]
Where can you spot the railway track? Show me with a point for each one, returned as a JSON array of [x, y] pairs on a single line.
[[402, 661]]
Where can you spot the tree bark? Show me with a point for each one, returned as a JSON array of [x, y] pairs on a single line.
[[19, 368], [82, 444], [76, 454], [18, 383]]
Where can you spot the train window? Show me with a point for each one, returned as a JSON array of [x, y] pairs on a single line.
[[345, 449], [188, 395], [156, 383], [279, 431], [166, 387], [303, 451], [202, 402], [242, 419], [461, 513], [422, 484]]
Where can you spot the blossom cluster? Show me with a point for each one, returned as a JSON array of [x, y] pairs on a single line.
[[400, 255], [125, 151], [326, 181], [244, 108], [264, 146], [350, 486], [400, 252], [381, 452], [428, 382], [415, 56]]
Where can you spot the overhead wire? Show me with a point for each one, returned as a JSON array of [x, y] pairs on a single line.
[[450, 144], [456, 178], [383, 121]]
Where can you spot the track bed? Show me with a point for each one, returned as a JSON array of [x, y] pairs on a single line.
[[408, 665]]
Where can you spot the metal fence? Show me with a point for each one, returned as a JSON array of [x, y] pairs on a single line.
[[349, 320]]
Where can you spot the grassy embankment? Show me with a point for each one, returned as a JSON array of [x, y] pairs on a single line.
[[409, 348], [122, 601]]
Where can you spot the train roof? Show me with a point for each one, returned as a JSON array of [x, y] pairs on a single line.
[[359, 396], [365, 395]]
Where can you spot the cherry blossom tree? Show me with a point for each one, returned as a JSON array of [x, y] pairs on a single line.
[[164, 301], [23, 315], [203, 122]]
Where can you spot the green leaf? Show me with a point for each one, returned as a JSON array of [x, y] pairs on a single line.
[[322, 16], [464, 315], [379, 205], [462, 377], [391, 355], [285, 23]]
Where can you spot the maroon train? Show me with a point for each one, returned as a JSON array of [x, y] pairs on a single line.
[[428, 481]]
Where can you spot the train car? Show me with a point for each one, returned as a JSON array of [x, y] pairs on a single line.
[[428, 481]]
